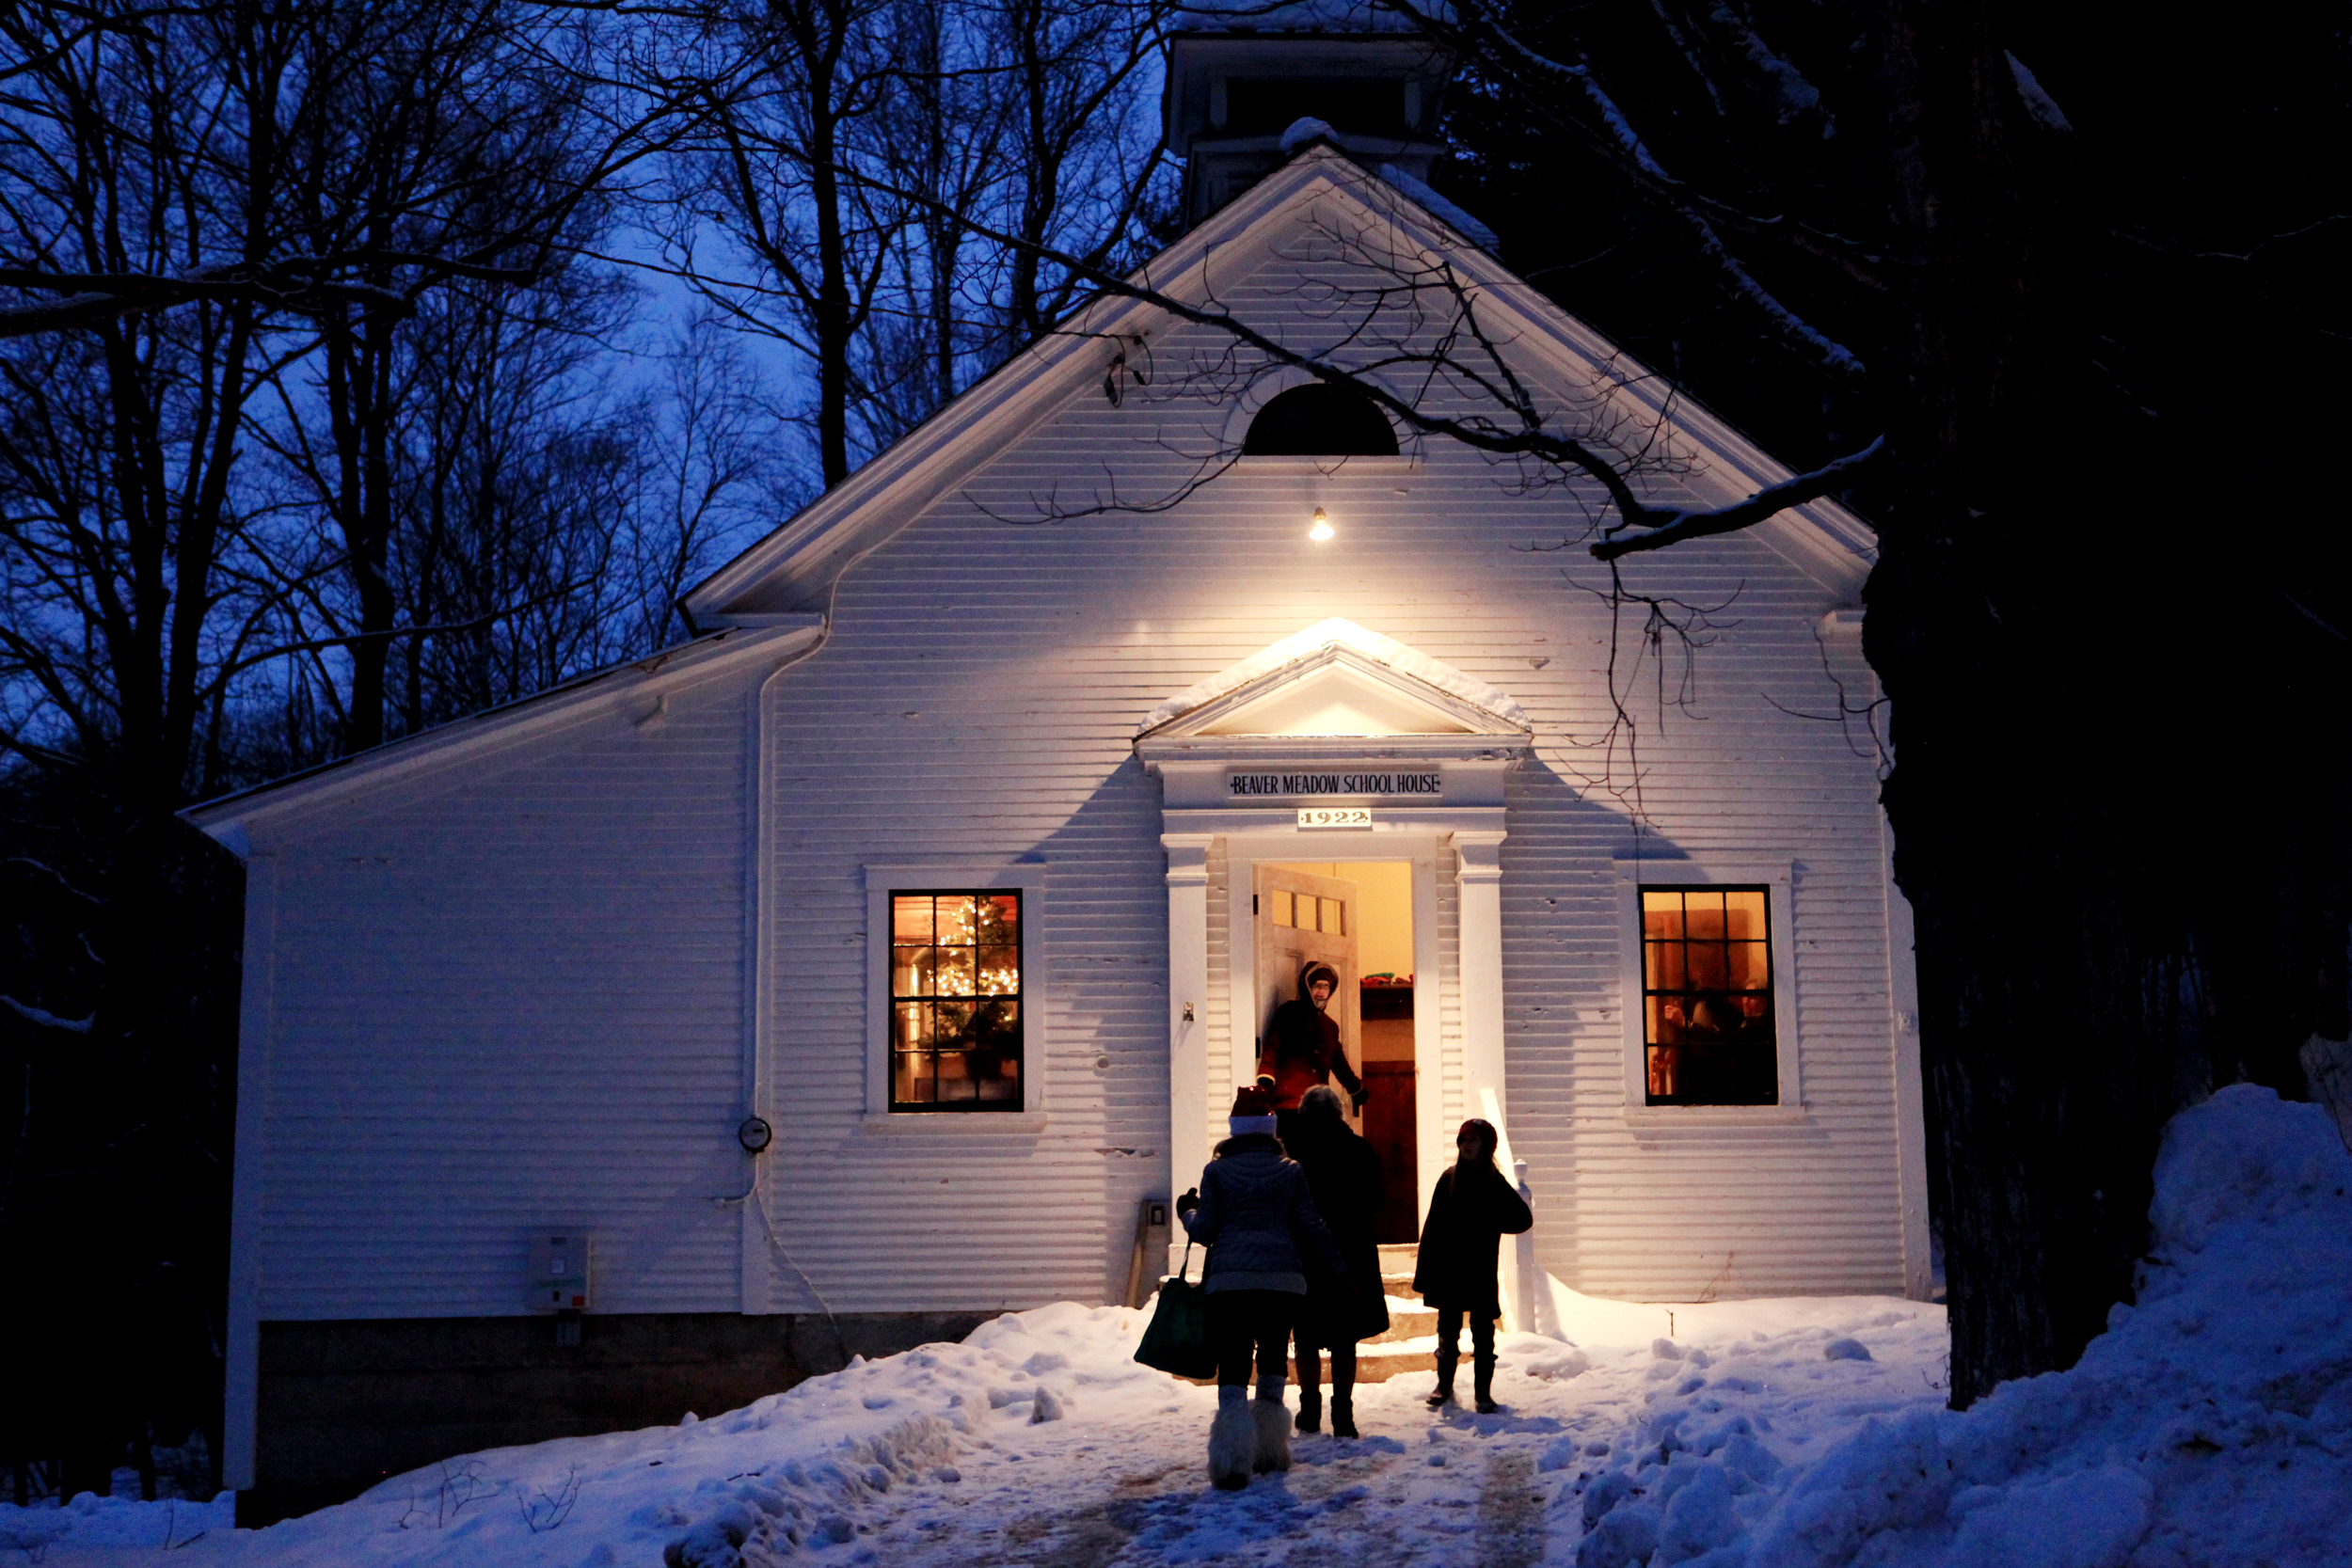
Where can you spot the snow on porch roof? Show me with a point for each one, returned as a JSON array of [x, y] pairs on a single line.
[[1336, 632]]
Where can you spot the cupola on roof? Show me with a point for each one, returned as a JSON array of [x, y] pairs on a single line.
[[1240, 74]]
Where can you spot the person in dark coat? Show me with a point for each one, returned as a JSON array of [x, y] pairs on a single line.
[[1472, 1209], [1255, 1213], [1302, 1048], [1344, 1176]]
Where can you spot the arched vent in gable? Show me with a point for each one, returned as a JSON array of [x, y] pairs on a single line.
[[1320, 419]]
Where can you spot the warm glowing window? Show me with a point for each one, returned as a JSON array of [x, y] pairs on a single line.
[[955, 1000], [1706, 996]]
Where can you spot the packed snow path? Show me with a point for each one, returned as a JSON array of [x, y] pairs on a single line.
[[1039, 1441], [1449, 1487], [2210, 1427]]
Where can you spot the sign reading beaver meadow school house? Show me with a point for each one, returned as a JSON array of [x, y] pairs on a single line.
[[868, 963], [1335, 784]]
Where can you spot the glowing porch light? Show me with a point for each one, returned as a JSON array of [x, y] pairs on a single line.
[[1322, 531]]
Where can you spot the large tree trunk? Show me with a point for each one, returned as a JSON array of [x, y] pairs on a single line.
[[2045, 1092]]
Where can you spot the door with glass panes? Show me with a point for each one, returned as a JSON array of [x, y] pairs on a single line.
[[1304, 919]]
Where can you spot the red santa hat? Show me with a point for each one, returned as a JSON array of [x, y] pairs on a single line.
[[1253, 1111]]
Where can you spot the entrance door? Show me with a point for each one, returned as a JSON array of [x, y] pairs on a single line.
[[1305, 919]]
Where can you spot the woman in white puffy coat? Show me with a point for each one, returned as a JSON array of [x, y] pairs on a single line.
[[1255, 1213]]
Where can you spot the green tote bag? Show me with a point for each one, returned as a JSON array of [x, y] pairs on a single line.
[[1177, 1339]]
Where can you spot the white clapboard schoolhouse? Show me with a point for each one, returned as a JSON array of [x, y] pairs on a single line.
[[871, 961]]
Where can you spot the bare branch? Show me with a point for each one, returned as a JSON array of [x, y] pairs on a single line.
[[1745, 513], [44, 1019]]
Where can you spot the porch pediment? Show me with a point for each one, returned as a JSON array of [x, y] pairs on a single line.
[[1337, 680]]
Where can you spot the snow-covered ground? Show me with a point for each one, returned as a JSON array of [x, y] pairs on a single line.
[[2211, 1426]]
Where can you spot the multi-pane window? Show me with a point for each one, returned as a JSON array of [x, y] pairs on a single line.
[[1304, 912], [955, 1000], [1706, 996]]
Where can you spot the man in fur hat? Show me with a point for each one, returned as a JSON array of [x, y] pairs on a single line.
[[1302, 1048]]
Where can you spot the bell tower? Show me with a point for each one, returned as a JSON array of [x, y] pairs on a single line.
[[1240, 73]]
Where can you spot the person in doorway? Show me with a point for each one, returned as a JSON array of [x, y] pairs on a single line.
[[1258, 1218], [1344, 1177], [1472, 1209], [1302, 1048]]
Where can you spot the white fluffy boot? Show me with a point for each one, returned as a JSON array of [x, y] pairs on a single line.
[[1233, 1440], [1274, 1433]]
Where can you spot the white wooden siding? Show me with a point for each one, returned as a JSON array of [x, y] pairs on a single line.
[[522, 1000], [1221, 1025], [508, 998]]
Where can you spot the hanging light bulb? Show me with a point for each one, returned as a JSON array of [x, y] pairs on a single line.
[[1322, 530]]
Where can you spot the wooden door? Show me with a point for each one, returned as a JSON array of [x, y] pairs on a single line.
[[1304, 920], [1390, 1115]]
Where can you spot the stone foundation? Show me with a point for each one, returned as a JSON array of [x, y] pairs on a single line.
[[345, 1405]]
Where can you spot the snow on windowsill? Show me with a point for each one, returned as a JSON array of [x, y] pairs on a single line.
[[956, 1123], [1717, 1116]]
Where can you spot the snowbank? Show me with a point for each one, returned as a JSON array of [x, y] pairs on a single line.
[[95, 1522], [2210, 1425], [791, 1472]]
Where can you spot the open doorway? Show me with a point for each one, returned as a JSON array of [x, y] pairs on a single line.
[[1357, 916]]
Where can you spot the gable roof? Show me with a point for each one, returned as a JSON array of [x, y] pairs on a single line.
[[794, 567], [770, 600], [643, 681], [1336, 679]]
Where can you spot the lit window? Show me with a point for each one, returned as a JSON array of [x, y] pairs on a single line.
[[955, 1000], [1708, 1031]]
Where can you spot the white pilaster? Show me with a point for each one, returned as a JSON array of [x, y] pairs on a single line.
[[1188, 1140], [1479, 874], [241, 1393], [1911, 1122]]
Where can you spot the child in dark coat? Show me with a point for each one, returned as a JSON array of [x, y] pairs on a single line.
[[1472, 1209], [1344, 1175]]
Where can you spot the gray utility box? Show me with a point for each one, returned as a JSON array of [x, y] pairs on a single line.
[[559, 1280]]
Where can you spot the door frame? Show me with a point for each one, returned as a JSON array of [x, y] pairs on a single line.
[[1244, 852], [1200, 817]]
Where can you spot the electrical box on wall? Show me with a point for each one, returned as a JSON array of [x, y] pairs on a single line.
[[559, 1280]]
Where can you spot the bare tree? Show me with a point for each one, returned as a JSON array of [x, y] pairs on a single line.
[[1893, 207], [146, 149], [714, 478], [192, 198], [1087, 154], [766, 217], [1941, 275]]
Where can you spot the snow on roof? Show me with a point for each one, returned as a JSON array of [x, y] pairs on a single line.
[[1323, 634], [1439, 207], [1307, 16], [1305, 128]]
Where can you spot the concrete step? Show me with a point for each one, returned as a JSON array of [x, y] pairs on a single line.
[[1375, 1362], [1397, 1263], [1407, 1319]]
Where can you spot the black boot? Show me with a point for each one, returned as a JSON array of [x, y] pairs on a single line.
[[1342, 1413], [1483, 1381], [1310, 1418], [1443, 1393]]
